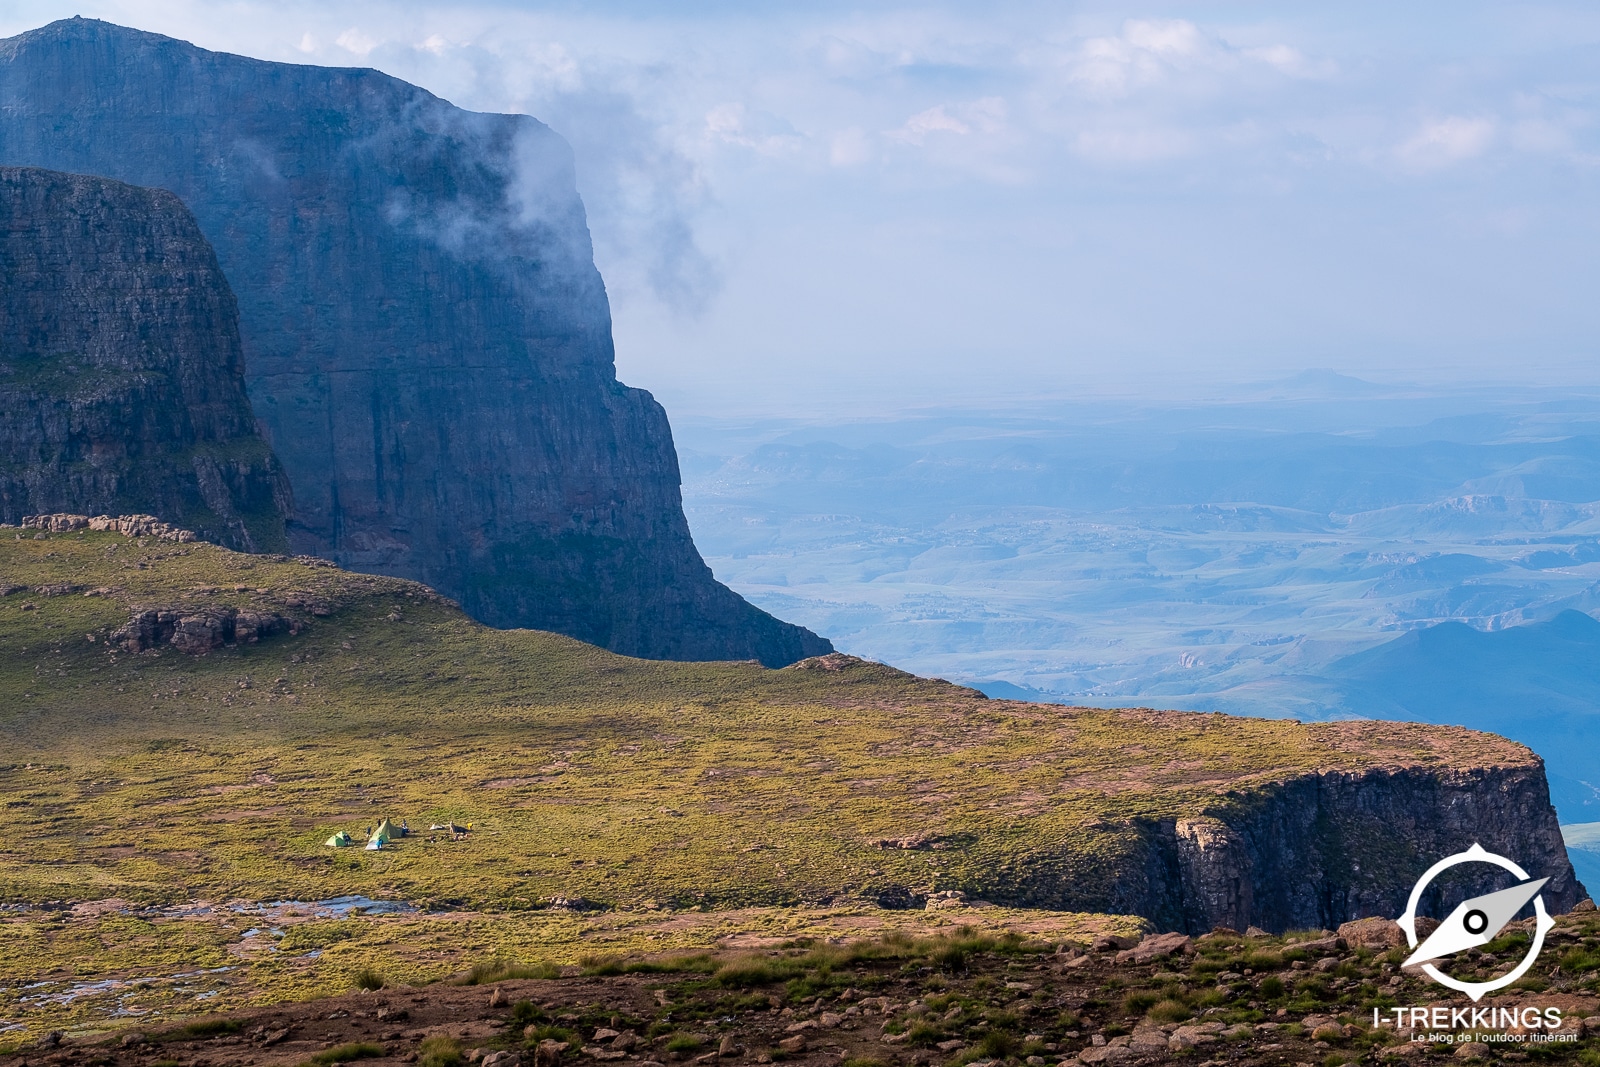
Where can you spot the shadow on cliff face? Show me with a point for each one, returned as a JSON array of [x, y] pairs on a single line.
[[426, 339]]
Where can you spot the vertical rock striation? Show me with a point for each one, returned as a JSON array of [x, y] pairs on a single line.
[[121, 387], [426, 339]]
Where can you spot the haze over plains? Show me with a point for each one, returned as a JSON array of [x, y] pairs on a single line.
[[849, 207]]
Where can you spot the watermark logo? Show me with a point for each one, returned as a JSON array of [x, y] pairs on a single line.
[[1475, 922]]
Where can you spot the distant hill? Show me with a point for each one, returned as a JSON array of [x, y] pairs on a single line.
[[1537, 684]]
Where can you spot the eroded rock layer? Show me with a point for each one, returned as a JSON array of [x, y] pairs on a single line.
[[426, 338], [121, 385]]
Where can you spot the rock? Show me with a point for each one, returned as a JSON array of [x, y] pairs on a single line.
[[727, 1047], [51, 1039], [830, 1019], [1472, 1050], [950, 1046], [550, 1050], [1256, 931], [1328, 1032], [1586, 904], [1111, 942], [133, 1039], [502, 1059], [797, 1043], [1322, 946], [1149, 1040], [803, 1024], [606, 1034], [197, 633], [272, 1037], [122, 381], [1155, 947], [452, 414], [1375, 932], [625, 1041]]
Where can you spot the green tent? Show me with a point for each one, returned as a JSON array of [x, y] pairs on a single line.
[[386, 832], [340, 840]]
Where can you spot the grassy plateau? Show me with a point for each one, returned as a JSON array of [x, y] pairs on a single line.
[[609, 798]]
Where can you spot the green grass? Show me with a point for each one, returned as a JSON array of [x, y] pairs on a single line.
[[439, 1050]]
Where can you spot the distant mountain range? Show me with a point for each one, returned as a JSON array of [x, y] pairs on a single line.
[[1538, 684]]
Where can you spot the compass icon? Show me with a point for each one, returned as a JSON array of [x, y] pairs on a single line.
[[1475, 922]]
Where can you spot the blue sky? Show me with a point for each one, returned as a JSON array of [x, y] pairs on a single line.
[[839, 206]]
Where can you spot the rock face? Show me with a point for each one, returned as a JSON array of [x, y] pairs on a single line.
[[1318, 850], [426, 339], [121, 385]]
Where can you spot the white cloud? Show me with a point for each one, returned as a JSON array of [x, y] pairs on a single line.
[[762, 132], [987, 115], [356, 42], [1446, 141]]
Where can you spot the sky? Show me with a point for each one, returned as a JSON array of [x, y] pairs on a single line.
[[829, 207]]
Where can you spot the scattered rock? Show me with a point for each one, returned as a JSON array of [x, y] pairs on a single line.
[[498, 998], [797, 1043], [130, 1040]]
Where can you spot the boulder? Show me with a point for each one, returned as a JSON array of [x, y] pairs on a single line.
[[1156, 947], [1374, 932]]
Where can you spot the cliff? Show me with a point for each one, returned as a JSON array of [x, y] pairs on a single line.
[[120, 380], [426, 339]]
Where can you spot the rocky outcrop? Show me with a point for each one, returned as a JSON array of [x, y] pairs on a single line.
[[128, 525], [120, 378], [426, 338], [200, 632]]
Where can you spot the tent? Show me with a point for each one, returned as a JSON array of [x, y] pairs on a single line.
[[385, 833], [340, 840]]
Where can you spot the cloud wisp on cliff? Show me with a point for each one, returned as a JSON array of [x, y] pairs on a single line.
[[935, 198]]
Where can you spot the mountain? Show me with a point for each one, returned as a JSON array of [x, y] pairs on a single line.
[[426, 340], [120, 376], [1537, 684]]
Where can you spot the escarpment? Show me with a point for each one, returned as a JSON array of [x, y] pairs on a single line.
[[1317, 847], [426, 339], [121, 387]]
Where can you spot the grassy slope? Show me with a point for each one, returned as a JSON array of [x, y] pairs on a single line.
[[162, 776]]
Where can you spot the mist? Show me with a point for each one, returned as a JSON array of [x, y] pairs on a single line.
[[864, 208]]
